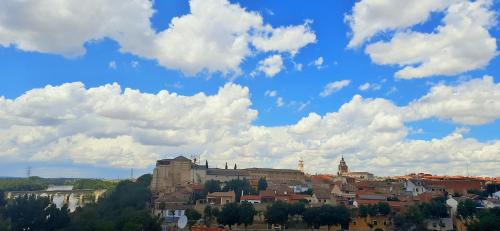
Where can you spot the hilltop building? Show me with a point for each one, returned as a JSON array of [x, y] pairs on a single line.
[[170, 174]]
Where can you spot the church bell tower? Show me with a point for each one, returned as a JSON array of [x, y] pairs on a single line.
[[342, 167]]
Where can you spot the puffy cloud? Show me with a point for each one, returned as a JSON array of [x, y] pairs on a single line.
[[285, 39], [462, 43], [111, 126], [60, 122], [271, 66], [63, 27], [473, 102], [215, 36], [370, 17], [334, 86]]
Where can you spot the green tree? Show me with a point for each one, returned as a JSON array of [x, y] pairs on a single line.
[[372, 210], [383, 208], [2, 199], [126, 207], [208, 215], [212, 186], [277, 213], [466, 209], [434, 209], [93, 184], [192, 216], [246, 213], [5, 224], [226, 166], [239, 186], [216, 212], [206, 163], [363, 211], [162, 206], [262, 184], [488, 220], [27, 212], [56, 218], [343, 216], [297, 209], [235, 166], [229, 215], [312, 217], [492, 188], [412, 219], [328, 216]]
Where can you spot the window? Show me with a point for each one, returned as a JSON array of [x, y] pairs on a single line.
[[375, 222]]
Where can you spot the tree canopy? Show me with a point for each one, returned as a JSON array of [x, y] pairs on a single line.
[[379, 209], [239, 186], [212, 186], [488, 220], [277, 213], [327, 215], [466, 209], [262, 184], [229, 215], [124, 208]]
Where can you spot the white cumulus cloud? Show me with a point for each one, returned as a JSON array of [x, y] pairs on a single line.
[[64, 27], [114, 127], [334, 86], [215, 36], [473, 102], [462, 43], [271, 66]]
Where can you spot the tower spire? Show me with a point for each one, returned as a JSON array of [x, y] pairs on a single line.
[[342, 169]]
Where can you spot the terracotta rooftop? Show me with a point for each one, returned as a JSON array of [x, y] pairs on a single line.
[[250, 197], [221, 194]]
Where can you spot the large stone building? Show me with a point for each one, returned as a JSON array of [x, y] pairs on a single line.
[[277, 175], [170, 174]]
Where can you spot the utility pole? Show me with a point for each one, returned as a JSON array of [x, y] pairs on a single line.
[[28, 171], [467, 163]]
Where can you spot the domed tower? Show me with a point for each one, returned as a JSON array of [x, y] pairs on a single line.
[[342, 167]]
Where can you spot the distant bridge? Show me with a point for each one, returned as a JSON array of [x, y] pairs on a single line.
[[72, 198]]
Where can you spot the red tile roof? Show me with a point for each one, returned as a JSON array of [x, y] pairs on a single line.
[[250, 197]]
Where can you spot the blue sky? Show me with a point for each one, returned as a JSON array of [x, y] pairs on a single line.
[[296, 92]]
